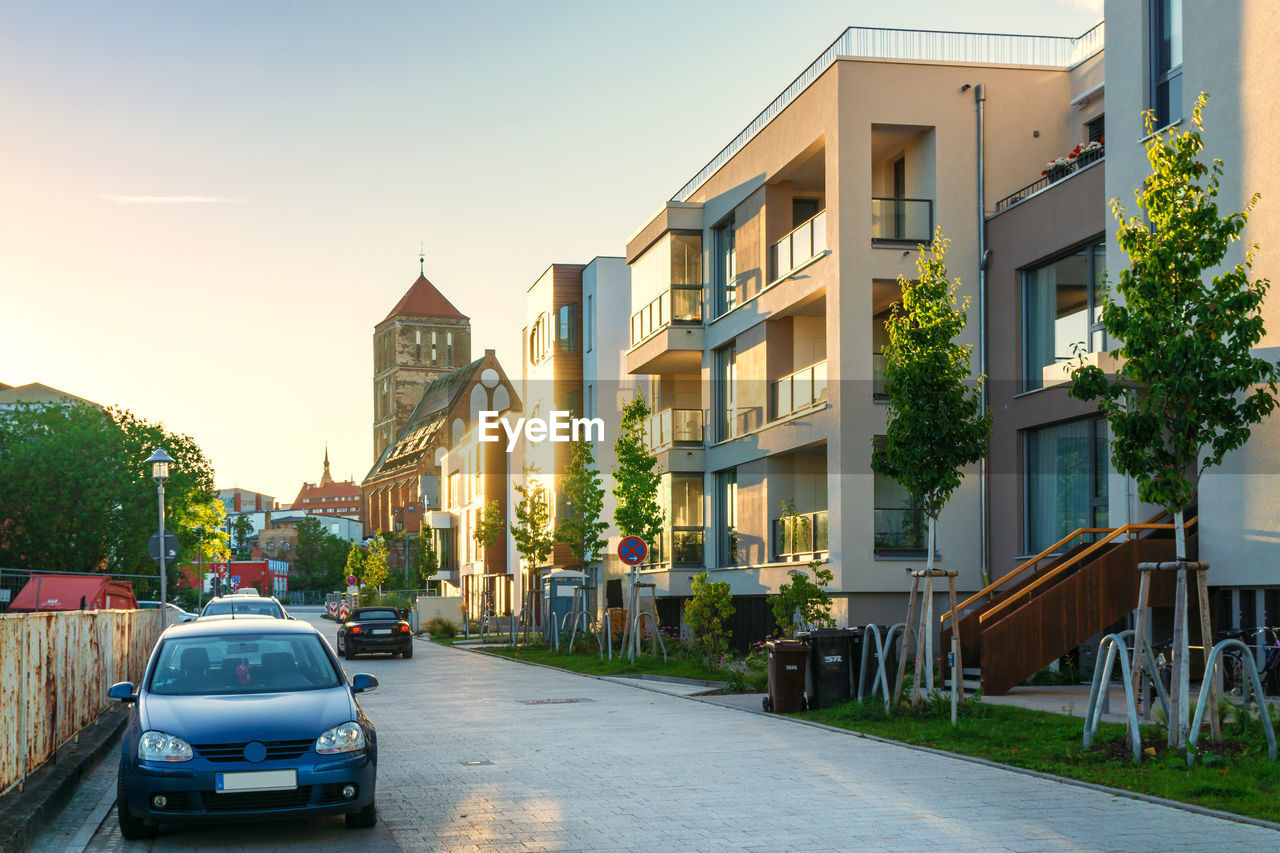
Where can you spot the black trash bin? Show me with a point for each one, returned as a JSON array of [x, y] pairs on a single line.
[[786, 676], [834, 663]]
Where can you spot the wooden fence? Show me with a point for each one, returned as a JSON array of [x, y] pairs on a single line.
[[55, 669]]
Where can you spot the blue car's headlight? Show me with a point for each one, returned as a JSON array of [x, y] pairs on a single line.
[[158, 746], [348, 737]]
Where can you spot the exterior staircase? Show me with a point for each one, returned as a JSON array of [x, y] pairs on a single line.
[[1060, 598]]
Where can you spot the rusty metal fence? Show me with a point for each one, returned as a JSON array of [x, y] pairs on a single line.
[[55, 669]]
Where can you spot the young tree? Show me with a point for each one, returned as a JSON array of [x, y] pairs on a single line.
[[489, 526], [811, 599], [355, 561], [936, 423], [375, 565], [241, 530], [428, 561], [635, 476], [319, 557], [581, 527], [531, 529], [1189, 388], [705, 614]]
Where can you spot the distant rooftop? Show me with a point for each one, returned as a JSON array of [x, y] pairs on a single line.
[[918, 45]]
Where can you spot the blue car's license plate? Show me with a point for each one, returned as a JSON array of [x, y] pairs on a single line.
[[257, 780]]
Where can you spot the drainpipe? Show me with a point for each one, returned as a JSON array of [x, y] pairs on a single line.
[[979, 99]]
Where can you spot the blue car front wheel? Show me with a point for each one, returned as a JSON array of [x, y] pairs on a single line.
[[132, 828]]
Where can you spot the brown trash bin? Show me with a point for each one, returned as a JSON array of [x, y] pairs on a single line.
[[787, 659]]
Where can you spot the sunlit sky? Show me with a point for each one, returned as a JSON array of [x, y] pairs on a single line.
[[206, 207]]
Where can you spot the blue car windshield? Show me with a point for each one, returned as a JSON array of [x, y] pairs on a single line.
[[240, 664]]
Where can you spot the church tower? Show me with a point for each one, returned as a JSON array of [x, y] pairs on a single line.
[[422, 339]]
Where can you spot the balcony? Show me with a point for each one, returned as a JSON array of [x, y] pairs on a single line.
[[798, 248], [900, 530], [1076, 164], [901, 221], [681, 305], [800, 537], [673, 427], [687, 549], [804, 389]]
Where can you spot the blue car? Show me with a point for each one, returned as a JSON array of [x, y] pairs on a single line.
[[249, 718]]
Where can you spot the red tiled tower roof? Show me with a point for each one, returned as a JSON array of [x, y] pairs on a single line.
[[422, 299]]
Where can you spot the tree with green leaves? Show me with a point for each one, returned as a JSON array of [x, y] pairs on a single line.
[[319, 557], [428, 560], [489, 527], [636, 477], [241, 530], [531, 529], [581, 527], [705, 613], [936, 423], [1189, 388], [355, 562], [375, 565], [809, 597]]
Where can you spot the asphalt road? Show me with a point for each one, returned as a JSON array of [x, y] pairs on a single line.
[[479, 754]]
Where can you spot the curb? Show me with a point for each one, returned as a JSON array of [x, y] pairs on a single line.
[[972, 759], [53, 784]]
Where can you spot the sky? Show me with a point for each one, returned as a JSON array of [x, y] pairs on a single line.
[[205, 208]]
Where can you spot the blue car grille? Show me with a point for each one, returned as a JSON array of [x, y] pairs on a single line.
[[256, 801], [276, 750]]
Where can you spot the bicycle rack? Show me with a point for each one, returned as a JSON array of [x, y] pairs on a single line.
[[881, 680], [1111, 647], [1251, 668], [606, 628], [579, 615], [637, 619]]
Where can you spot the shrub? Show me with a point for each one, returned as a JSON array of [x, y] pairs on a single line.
[[810, 598], [705, 614], [438, 626]]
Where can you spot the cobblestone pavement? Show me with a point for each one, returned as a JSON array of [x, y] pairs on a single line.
[[482, 754]]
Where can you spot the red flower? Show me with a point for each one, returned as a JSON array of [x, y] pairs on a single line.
[[1044, 172]]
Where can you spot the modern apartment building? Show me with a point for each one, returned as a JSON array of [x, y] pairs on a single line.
[[760, 289]]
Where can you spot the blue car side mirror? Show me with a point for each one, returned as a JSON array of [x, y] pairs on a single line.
[[123, 692], [361, 683]]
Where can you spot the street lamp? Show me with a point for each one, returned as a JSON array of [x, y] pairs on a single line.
[[160, 462]]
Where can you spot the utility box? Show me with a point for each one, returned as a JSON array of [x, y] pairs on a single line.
[[557, 597]]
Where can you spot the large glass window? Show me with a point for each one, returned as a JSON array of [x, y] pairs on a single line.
[[901, 528], [1166, 60], [567, 328], [686, 258], [727, 510], [1063, 311], [726, 393], [687, 529], [1067, 469], [726, 266]]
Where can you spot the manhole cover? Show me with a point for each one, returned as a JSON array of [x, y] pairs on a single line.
[[553, 701], [474, 763]]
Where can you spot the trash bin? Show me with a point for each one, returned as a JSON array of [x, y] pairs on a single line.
[[834, 663], [786, 676]]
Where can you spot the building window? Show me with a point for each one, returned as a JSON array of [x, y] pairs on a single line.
[[727, 511], [1166, 61], [901, 528], [726, 393], [587, 327], [567, 328], [448, 348], [1067, 467], [1062, 305], [683, 537], [726, 266], [1096, 129]]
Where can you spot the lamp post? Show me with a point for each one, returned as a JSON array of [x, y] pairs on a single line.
[[160, 462]]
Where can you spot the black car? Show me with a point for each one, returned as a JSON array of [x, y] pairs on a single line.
[[375, 629]]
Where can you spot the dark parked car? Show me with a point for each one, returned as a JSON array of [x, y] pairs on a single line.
[[244, 605], [247, 719], [375, 629]]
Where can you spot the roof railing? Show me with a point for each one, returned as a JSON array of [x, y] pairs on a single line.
[[919, 45]]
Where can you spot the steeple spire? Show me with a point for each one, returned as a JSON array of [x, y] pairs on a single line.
[[422, 260], [326, 478]]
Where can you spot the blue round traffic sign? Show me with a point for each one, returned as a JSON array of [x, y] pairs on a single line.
[[632, 550]]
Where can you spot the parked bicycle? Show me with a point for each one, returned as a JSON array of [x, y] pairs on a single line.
[[1233, 671]]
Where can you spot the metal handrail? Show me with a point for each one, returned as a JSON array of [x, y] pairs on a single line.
[[1061, 569], [1081, 162], [1030, 564]]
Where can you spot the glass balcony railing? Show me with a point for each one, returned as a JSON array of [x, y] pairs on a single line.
[[900, 529], [681, 305], [800, 535], [803, 244], [801, 390], [901, 220], [878, 391], [674, 426], [686, 547]]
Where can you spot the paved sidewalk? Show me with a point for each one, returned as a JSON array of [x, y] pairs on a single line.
[[495, 755]]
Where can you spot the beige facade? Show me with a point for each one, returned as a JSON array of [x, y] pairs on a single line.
[[758, 297]]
